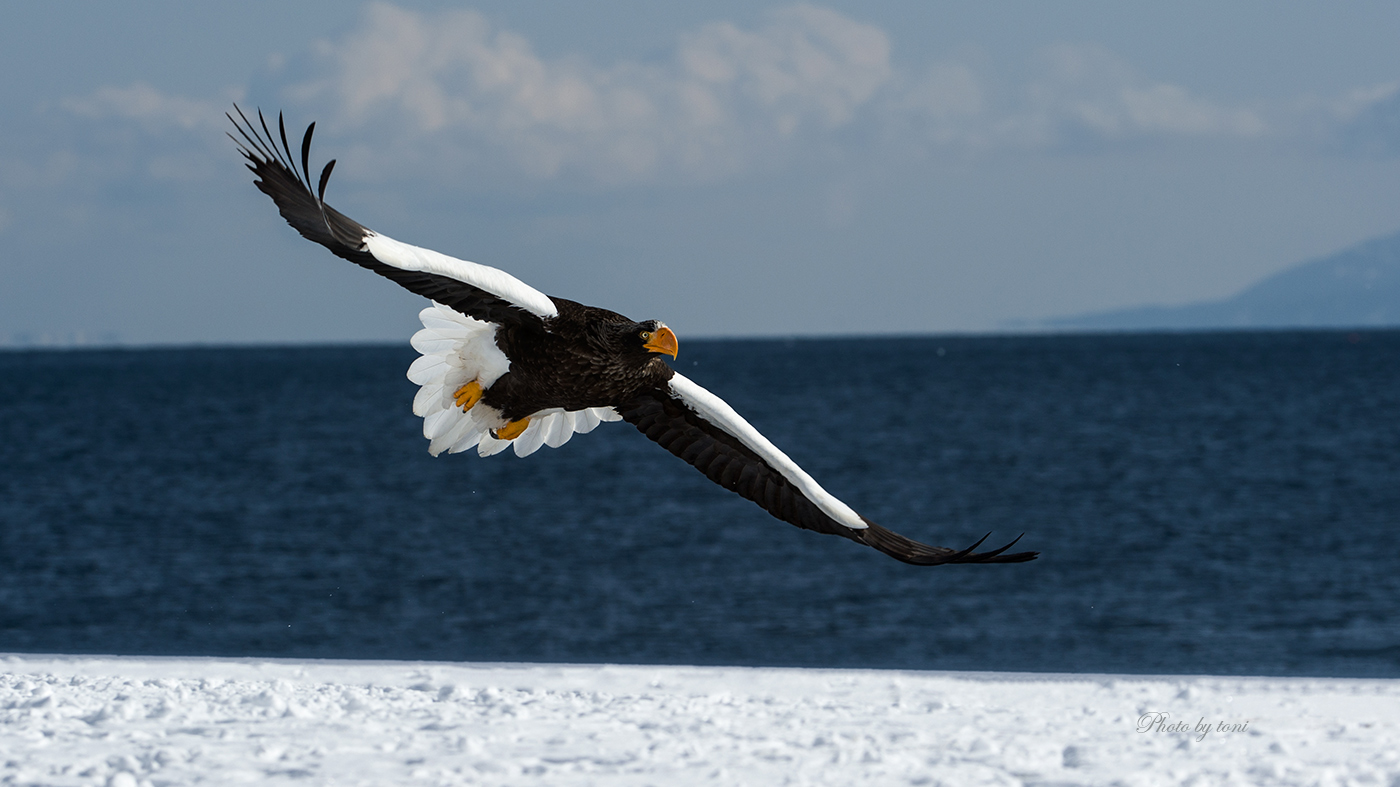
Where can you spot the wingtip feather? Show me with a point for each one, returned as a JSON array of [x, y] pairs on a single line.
[[909, 551]]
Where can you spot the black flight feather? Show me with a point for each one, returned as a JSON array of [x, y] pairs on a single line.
[[724, 459], [309, 215]]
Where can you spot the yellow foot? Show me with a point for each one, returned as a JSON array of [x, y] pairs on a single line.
[[468, 395], [511, 430]]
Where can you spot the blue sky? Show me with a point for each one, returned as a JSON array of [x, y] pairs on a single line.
[[730, 168]]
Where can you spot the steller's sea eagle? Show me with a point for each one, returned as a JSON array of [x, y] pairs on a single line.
[[504, 365]]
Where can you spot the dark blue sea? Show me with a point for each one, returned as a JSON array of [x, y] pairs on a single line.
[[1204, 503]]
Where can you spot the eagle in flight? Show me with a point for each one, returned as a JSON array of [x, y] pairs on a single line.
[[505, 366]]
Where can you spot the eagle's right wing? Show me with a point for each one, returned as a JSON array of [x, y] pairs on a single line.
[[477, 291], [704, 431]]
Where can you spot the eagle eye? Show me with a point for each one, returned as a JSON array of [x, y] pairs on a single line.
[[646, 335]]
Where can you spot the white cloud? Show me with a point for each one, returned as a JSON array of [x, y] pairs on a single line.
[[176, 136], [948, 90], [454, 90], [1087, 93], [945, 105], [808, 62], [144, 104], [1358, 101], [1367, 120], [449, 96], [727, 96]]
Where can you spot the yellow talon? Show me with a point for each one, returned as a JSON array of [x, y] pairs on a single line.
[[511, 430], [468, 395]]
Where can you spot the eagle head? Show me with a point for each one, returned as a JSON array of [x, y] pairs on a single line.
[[641, 339]]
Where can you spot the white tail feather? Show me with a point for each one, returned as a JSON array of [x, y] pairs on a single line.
[[532, 438], [438, 423], [490, 446], [585, 421], [430, 343], [559, 429], [469, 438], [423, 369], [427, 396]]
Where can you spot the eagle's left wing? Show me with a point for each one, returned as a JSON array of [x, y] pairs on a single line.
[[707, 433], [477, 291]]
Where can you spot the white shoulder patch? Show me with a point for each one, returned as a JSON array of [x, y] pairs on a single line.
[[493, 280], [456, 350], [718, 412]]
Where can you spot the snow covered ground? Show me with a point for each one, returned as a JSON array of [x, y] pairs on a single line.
[[76, 720]]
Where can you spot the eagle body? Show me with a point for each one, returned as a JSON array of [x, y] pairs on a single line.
[[586, 357], [503, 365]]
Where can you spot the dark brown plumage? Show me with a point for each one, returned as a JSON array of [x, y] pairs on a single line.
[[561, 357], [585, 357]]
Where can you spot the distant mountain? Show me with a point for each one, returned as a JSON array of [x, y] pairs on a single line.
[[1358, 287]]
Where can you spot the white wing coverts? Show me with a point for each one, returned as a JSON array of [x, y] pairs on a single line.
[[718, 412], [407, 257]]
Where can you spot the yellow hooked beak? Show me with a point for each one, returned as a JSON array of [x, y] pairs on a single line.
[[663, 341]]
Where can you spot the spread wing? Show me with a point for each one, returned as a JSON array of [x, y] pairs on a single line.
[[478, 291], [702, 429]]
